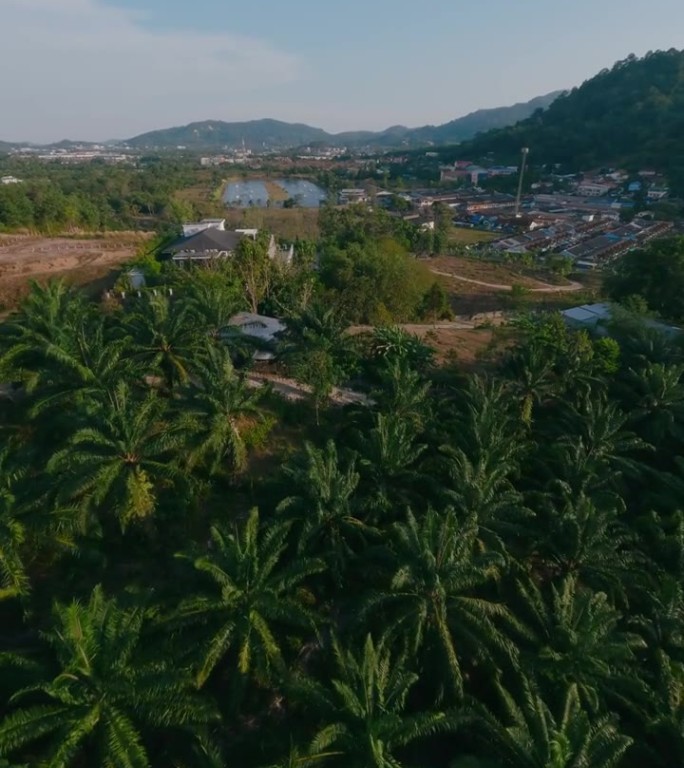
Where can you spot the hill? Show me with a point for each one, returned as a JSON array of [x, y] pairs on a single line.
[[631, 115], [256, 134], [275, 134]]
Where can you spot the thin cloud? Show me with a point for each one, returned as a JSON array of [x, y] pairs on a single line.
[[79, 69]]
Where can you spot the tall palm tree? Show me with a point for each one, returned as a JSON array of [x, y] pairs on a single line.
[[323, 506], [164, 339], [364, 709], [530, 735], [389, 465], [574, 636], [254, 595], [436, 597], [477, 471], [532, 379], [100, 702], [122, 460], [14, 581], [592, 449], [218, 405], [586, 539], [656, 399]]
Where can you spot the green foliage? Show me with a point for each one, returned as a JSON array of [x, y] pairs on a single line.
[[608, 120], [655, 275], [456, 570]]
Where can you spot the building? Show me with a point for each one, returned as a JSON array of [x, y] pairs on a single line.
[[208, 240], [263, 329], [594, 189], [200, 226], [351, 196], [7, 180]]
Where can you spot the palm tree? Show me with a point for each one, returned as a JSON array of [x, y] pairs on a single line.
[[656, 398], [403, 393], [574, 636], [389, 462], [529, 735], [255, 594], [592, 450], [434, 600], [100, 703], [364, 708], [586, 539], [42, 333], [219, 405], [478, 470], [323, 506], [532, 379], [164, 339], [14, 581], [90, 370], [123, 460]]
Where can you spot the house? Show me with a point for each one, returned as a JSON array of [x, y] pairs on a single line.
[[208, 240], [597, 316], [657, 193], [10, 180], [593, 189], [195, 227], [351, 196], [260, 327]]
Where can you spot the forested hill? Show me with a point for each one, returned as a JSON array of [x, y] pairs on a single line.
[[632, 115], [258, 134]]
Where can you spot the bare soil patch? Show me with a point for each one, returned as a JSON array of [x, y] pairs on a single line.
[[80, 261]]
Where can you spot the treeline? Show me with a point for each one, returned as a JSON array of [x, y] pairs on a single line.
[[54, 198], [460, 570]]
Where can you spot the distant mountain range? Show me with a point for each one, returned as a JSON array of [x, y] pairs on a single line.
[[275, 134]]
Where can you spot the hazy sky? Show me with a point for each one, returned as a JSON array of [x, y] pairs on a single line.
[[99, 69]]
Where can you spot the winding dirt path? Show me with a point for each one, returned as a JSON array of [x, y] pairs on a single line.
[[569, 288]]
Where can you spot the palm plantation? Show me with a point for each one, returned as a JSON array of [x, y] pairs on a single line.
[[459, 571]]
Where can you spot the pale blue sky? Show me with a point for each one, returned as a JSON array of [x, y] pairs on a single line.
[[97, 69]]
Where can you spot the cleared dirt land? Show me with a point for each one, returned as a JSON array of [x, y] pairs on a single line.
[[81, 261]]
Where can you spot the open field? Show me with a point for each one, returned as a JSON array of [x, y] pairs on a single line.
[[80, 261], [288, 223], [541, 290], [465, 236]]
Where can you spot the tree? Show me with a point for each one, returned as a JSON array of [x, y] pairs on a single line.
[[99, 700], [577, 639], [254, 595], [656, 273], [254, 269], [365, 709], [165, 339], [217, 408], [120, 462], [434, 597], [322, 505], [530, 736]]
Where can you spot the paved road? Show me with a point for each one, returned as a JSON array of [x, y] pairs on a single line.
[[569, 288]]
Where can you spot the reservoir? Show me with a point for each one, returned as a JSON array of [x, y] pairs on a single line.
[[257, 193]]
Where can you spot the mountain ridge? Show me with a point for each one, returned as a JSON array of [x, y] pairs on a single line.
[[279, 134]]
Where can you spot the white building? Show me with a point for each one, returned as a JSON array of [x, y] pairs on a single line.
[[10, 180], [194, 227]]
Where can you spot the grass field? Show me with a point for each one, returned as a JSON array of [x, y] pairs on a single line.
[[288, 223], [465, 236]]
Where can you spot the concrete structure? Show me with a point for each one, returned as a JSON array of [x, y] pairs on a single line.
[[194, 227]]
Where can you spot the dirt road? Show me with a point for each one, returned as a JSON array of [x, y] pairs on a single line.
[[569, 288]]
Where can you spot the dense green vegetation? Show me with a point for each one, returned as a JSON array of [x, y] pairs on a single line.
[[631, 115], [55, 198], [460, 571]]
